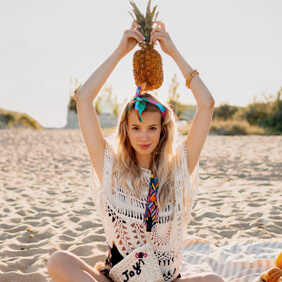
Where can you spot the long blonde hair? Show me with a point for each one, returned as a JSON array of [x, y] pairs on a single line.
[[163, 157]]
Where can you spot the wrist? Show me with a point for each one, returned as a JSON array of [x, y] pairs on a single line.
[[175, 54], [119, 53]]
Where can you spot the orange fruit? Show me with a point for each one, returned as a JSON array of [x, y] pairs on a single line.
[[278, 261]]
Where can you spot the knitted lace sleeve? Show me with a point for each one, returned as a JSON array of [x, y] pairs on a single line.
[[190, 182], [97, 189]]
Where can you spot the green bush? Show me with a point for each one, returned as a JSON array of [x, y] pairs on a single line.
[[273, 121], [224, 112], [256, 118], [256, 112], [72, 104], [14, 119], [235, 127]]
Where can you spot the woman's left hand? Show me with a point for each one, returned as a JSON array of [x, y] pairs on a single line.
[[159, 34]]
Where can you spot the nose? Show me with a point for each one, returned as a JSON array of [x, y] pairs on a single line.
[[144, 135]]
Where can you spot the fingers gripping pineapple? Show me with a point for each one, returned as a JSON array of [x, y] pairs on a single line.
[[147, 62]]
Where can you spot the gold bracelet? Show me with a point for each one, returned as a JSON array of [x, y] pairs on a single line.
[[190, 76]]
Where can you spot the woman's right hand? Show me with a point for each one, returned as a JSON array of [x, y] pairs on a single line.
[[130, 39]]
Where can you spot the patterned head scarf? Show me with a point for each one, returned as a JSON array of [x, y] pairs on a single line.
[[140, 104]]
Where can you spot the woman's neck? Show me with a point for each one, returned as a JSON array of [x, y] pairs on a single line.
[[144, 161]]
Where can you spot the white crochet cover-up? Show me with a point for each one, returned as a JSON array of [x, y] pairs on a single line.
[[122, 213]]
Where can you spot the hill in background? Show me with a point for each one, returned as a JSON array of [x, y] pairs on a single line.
[[11, 119]]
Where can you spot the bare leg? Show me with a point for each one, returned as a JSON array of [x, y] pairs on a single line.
[[64, 266], [201, 278]]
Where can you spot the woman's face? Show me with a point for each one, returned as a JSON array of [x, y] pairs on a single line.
[[144, 136]]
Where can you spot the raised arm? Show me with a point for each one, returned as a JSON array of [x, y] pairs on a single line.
[[85, 96], [200, 126], [205, 103]]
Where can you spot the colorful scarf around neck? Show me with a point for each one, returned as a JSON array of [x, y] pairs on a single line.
[[151, 212]]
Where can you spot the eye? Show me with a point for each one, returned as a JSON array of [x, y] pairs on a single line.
[[153, 128], [135, 128]]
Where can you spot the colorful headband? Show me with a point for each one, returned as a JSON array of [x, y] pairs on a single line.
[[140, 104]]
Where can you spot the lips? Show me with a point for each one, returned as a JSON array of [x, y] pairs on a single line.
[[144, 146]]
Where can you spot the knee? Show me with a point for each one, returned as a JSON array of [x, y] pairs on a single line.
[[57, 262], [212, 278]]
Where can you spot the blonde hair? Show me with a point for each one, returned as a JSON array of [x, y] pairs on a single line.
[[163, 157]]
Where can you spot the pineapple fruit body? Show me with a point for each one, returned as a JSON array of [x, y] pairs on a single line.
[[147, 62], [148, 68]]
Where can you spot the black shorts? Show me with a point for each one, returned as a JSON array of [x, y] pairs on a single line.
[[115, 259]]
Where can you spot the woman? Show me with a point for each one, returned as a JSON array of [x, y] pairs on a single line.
[[145, 144]]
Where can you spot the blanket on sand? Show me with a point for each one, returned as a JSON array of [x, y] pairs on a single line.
[[240, 261]]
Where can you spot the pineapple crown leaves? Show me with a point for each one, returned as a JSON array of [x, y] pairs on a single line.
[[144, 22]]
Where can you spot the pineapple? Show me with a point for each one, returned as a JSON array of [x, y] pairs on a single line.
[[147, 62]]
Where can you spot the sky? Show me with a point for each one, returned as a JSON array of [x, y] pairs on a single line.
[[46, 45]]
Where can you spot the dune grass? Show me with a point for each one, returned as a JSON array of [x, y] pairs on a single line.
[[228, 127], [11, 119], [235, 127]]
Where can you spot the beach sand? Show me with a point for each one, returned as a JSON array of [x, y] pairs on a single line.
[[45, 202]]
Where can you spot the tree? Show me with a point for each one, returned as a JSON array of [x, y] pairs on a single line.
[[72, 102], [107, 97], [225, 112], [274, 120], [116, 107], [173, 96], [97, 106], [107, 93]]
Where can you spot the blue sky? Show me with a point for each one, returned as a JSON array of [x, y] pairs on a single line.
[[235, 45]]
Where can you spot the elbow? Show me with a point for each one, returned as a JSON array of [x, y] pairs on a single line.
[[211, 103], [208, 104], [79, 97], [83, 96]]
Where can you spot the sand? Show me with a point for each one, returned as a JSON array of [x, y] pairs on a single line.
[[45, 202]]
